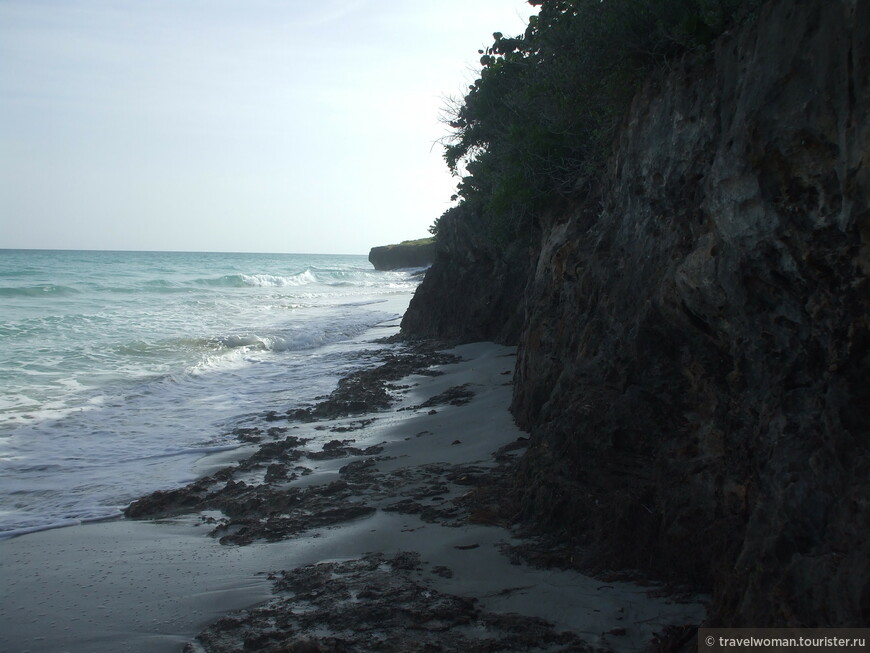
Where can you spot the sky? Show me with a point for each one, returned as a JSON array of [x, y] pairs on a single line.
[[219, 125]]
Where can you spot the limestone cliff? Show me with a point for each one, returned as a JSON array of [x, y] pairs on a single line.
[[408, 254], [694, 359]]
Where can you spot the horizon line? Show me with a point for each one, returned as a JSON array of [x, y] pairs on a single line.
[[165, 251]]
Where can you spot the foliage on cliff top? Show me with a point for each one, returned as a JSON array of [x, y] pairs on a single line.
[[419, 242], [539, 122]]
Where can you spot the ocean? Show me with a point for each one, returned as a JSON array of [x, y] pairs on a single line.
[[120, 370]]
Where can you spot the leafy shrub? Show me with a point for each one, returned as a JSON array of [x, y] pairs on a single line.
[[544, 111]]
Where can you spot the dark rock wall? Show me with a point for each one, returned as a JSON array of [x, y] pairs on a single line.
[[694, 364], [472, 292]]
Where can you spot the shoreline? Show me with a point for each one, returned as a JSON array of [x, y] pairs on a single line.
[[400, 490]]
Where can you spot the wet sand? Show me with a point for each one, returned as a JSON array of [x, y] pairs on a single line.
[[404, 530]]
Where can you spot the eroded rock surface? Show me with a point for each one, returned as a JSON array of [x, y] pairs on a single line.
[[693, 357]]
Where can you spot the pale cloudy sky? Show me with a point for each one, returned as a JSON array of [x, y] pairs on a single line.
[[222, 125]]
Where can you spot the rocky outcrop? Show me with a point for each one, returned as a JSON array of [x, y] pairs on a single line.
[[472, 292], [412, 254], [694, 356]]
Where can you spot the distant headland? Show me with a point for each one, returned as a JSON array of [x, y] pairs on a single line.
[[407, 254]]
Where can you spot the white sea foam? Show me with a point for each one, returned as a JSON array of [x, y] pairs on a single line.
[[115, 387], [267, 280]]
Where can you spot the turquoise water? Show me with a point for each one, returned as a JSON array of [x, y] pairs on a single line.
[[119, 370]]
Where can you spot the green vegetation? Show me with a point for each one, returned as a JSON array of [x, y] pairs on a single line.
[[412, 243], [539, 122]]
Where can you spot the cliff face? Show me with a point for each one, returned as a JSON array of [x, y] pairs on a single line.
[[694, 362], [694, 356], [472, 292]]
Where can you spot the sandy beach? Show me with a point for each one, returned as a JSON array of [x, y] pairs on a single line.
[[359, 532]]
